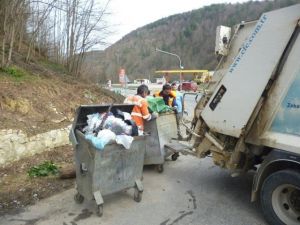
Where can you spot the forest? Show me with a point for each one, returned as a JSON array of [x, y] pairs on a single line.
[[191, 35], [61, 31]]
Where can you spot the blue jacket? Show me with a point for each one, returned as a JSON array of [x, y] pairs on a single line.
[[179, 101]]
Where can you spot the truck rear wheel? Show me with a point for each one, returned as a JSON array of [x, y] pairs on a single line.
[[280, 198]]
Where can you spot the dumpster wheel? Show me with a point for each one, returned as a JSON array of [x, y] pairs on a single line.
[[137, 195], [175, 156], [78, 198], [160, 168], [100, 210]]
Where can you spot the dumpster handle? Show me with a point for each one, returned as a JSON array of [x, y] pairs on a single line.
[[83, 168]]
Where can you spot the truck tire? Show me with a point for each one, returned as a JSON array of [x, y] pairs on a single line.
[[280, 198]]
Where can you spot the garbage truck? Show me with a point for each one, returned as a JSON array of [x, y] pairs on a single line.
[[248, 118]]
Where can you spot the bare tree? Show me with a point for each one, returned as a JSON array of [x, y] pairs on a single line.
[[63, 30], [10, 25]]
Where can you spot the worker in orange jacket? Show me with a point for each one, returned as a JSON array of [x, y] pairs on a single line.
[[140, 110]]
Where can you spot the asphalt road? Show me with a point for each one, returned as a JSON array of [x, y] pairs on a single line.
[[190, 191]]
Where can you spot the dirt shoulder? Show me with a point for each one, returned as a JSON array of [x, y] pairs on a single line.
[[18, 190]]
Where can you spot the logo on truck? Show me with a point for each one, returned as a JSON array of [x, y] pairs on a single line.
[[248, 43], [293, 105]]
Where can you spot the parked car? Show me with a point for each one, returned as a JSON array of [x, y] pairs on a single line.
[[188, 86]]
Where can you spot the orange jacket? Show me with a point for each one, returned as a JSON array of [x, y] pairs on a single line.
[[140, 110]]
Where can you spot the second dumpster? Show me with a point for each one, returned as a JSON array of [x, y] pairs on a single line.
[[161, 131]]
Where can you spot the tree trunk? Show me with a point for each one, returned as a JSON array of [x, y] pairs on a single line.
[[12, 38], [3, 50], [67, 172], [20, 39], [4, 35], [28, 52], [72, 37]]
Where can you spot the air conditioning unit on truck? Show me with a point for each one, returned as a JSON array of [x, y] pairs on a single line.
[[249, 118]]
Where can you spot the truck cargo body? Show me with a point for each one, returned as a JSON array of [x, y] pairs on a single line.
[[249, 116], [278, 123]]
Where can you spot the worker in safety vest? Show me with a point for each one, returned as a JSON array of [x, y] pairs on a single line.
[[179, 98], [140, 110], [168, 95], [179, 111]]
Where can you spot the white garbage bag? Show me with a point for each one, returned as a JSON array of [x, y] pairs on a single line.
[[93, 121], [124, 140], [103, 137]]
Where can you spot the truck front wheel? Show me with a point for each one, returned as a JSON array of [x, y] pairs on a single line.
[[280, 198]]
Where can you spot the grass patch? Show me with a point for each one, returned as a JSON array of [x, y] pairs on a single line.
[[16, 73], [43, 170]]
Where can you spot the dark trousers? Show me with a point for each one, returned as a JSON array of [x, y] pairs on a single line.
[[178, 119]]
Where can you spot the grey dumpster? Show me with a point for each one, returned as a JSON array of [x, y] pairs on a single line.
[[161, 131], [107, 171]]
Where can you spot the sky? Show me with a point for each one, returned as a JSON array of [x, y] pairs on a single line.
[[128, 15]]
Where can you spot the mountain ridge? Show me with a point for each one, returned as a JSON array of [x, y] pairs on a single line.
[[191, 35]]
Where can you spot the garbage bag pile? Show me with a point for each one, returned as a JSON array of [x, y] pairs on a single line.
[[106, 127], [157, 105]]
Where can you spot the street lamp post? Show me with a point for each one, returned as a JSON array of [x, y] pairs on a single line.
[[173, 54]]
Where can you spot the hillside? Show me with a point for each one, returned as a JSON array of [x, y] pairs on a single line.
[[39, 96], [190, 35]]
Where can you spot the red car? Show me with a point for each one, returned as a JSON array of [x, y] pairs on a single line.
[[188, 86]]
